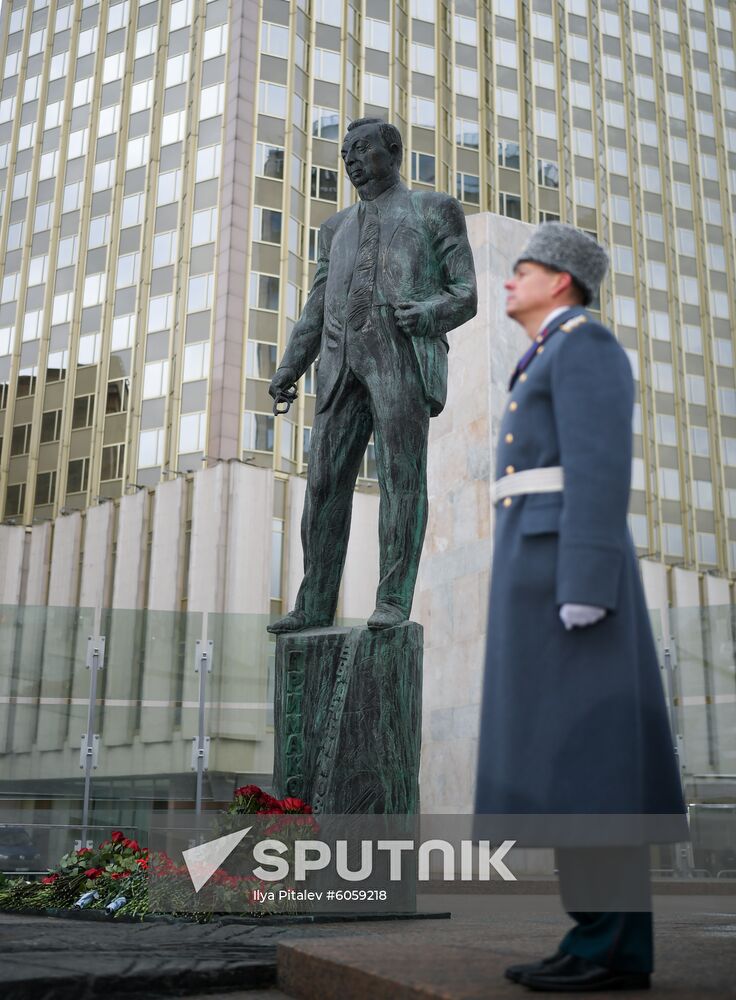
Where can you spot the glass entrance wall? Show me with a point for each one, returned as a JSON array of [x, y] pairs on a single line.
[[181, 710]]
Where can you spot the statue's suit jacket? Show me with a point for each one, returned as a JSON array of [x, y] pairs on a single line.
[[423, 256]]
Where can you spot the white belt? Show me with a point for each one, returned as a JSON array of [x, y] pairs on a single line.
[[546, 480]]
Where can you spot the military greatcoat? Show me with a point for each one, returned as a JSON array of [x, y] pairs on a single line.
[[572, 721]]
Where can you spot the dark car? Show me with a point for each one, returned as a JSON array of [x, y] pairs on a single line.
[[17, 850]]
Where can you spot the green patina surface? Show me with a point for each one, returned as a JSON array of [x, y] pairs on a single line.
[[348, 718]]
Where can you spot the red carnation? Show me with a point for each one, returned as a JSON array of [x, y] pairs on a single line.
[[84, 850], [133, 845], [293, 805], [117, 836], [49, 880], [93, 872], [248, 790]]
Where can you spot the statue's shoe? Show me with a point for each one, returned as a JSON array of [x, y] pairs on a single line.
[[386, 616], [295, 621]]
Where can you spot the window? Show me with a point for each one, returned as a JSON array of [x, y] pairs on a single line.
[[196, 362], [669, 484], [212, 101], [508, 154], [20, 440], [659, 324], [376, 89], [264, 291], [699, 441], [94, 290], [50, 426], [723, 351], [208, 163], [506, 53], [467, 133], [173, 127], [260, 359], [507, 103], [82, 411], [703, 494], [104, 175], [686, 242], [177, 68], [727, 400], [548, 173], [695, 389], [257, 431], [672, 539], [215, 42], [466, 81], [266, 224], [618, 161], [271, 99], [324, 184], [625, 310], [32, 324], [657, 275], [169, 187], [155, 379], [45, 488], [113, 462], [204, 226], [270, 160], [123, 332], [585, 192], [546, 123], [623, 259], [466, 30], [423, 112], [509, 204], [201, 292], [325, 124], [639, 531], [160, 313], [128, 270], [666, 430], [15, 499], [468, 187], [663, 380], [326, 65], [77, 475], [706, 547], [150, 448], [728, 450], [118, 392], [422, 168], [328, 12], [132, 214], [192, 432], [376, 34]]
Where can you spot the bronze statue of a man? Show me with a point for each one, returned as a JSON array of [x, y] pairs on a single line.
[[395, 273]]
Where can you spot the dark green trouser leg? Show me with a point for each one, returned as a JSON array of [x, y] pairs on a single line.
[[621, 940], [340, 436]]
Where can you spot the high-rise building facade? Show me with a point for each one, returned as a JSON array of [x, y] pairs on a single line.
[[165, 168]]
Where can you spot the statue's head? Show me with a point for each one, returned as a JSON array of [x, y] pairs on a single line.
[[372, 151]]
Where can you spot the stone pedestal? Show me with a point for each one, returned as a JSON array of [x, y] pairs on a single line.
[[348, 721]]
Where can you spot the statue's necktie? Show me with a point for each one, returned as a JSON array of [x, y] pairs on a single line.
[[364, 272]]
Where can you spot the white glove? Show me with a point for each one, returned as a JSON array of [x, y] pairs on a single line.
[[580, 615]]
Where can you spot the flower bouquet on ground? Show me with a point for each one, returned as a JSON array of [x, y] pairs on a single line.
[[111, 876], [114, 877]]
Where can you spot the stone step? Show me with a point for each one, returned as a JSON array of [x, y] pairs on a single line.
[[389, 968]]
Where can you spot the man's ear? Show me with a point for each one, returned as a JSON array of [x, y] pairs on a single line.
[[565, 285]]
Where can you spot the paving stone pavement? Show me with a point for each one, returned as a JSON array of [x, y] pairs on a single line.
[[458, 959]]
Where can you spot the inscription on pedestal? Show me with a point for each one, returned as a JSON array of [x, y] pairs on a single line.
[[348, 718]]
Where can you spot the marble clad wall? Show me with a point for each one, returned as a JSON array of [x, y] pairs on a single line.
[[452, 591]]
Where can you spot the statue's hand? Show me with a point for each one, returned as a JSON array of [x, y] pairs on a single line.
[[283, 379], [409, 318]]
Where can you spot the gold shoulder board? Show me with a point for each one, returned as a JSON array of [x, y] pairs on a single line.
[[574, 322]]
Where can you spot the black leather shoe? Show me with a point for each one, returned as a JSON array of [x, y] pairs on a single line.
[[515, 972], [578, 975]]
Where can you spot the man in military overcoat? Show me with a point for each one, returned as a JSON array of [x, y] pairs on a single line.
[[573, 717], [395, 274]]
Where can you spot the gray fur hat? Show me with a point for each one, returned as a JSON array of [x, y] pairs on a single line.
[[565, 248]]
